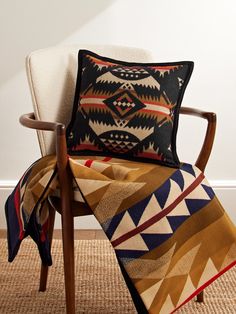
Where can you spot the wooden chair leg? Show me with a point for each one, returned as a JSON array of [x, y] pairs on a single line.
[[68, 254], [200, 297], [65, 180], [44, 268]]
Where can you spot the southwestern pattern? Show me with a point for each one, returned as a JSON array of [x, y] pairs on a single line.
[[170, 234], [127, 110]]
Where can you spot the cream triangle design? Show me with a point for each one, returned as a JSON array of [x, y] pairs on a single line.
[[88, 186], [205, 182], [188, 179], [175, 191], [180, 210], [151, 210], [126, 86], [168, 306], [126, 224], [183, 266], [134, 243], [149, 295], [198, 193], [187, 291], [230, 257], [209, 272], [161, 227]]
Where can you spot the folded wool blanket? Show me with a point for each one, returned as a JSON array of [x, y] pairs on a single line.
[[170, 233]]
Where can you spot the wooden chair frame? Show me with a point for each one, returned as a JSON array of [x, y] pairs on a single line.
[[28, 120]]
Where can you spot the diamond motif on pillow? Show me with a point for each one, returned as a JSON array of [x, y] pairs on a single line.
[[124, 104]]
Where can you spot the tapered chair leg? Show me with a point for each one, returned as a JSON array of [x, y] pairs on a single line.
[[44, 268], [69, 268], [200, 297], [67, 219]]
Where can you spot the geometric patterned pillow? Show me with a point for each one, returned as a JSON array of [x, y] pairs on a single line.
[[127, 110]]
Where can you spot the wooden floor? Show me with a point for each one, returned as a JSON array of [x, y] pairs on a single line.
[[79, 234]]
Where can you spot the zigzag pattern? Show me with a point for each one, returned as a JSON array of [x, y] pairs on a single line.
[[155, 275], [154, 219]]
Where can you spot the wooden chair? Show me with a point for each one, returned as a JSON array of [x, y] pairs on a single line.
[[52, 76]]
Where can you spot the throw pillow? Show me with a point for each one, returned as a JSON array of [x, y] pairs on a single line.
[[127, 110]]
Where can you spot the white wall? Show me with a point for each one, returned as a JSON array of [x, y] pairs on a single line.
[[202, 31]]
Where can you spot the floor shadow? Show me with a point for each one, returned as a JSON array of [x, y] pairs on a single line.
[[29, 25]]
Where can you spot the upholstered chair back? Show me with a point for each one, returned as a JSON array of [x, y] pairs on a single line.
[[52, 76]]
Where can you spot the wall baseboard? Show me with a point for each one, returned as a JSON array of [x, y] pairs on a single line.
[[224, 189]]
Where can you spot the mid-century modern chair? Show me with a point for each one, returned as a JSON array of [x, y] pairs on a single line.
[[52, 77]]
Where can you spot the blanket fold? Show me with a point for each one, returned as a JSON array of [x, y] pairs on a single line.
[[170, 234]]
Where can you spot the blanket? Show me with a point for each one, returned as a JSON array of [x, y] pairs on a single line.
[[170, 234]]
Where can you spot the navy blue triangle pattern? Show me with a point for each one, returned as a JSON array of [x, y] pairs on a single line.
[[129, 254], [178, 178], [162, 193], [209, 191], [188, 168], [176, 221], [195, 205], [154, 240], [110, 225], [136, 211]]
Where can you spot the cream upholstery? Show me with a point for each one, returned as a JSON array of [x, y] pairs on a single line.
[[52, 75]]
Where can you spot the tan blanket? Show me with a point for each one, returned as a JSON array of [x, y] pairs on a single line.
[[169, 232]]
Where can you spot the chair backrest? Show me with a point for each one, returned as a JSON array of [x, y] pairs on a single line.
[[52, 76]]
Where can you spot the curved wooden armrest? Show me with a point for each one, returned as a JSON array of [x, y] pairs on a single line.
[[209, 136], [28, 120]]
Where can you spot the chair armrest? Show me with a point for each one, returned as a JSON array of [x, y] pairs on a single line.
[[209, 136], [28, 120]]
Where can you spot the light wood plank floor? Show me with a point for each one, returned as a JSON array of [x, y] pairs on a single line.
[[79, 234]]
